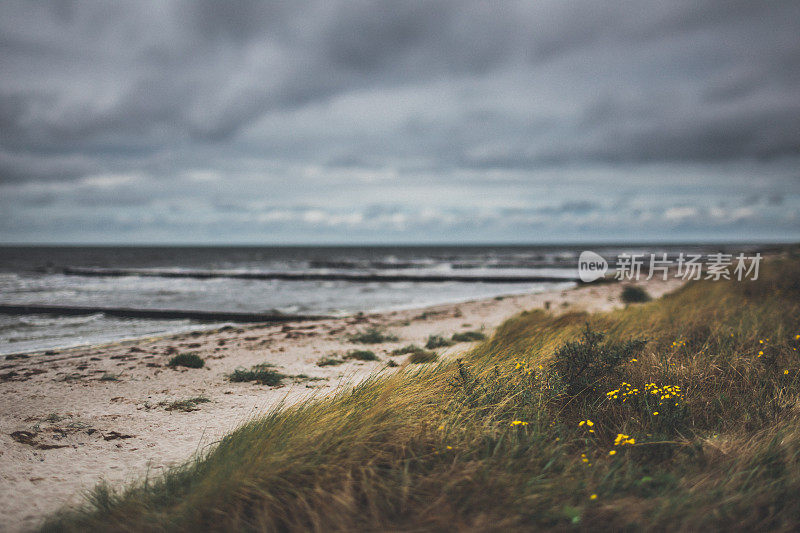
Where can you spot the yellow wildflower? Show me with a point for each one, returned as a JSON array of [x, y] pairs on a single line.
[[623, 439], [593, 497], [612, 452]]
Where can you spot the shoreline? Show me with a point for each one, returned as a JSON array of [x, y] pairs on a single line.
[[101, 412], [268, 318]]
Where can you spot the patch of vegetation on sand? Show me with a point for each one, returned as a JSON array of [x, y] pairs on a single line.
[[263, 373], [417, 354], [185, 405], [371, 336], [696, 429], [189, 360], [361, 355], [330, 361], [632, 294], [469, 336], [437, 341], [409, 348]]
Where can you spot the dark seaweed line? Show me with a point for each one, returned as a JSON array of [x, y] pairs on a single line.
[[315, 276], [125, 312]]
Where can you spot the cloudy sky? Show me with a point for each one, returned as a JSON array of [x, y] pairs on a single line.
[[435, 121]]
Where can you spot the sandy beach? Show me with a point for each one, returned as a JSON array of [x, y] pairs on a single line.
[[74, 417]]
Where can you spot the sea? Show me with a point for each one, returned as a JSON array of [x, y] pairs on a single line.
[[238, 279]]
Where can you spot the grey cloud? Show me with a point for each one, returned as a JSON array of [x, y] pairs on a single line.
[[160, 72], [20, 167], [360, 101]]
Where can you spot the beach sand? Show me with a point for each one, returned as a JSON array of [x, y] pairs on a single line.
[[71, 418]]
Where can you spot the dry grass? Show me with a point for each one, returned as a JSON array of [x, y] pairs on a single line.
[[495, 441]]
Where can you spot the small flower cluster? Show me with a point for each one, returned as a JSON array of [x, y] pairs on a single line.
[[585, 460], [761, 341], [667, 394], [623, 440], [588, 423], [518, 423], [625, 390], [678, 343], [523, 367]]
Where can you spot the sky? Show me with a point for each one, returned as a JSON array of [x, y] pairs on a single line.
[[349, 121]]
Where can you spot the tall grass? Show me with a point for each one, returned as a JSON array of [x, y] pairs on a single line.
[[506, 439]]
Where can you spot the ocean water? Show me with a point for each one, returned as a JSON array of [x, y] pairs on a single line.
[[36, 275]]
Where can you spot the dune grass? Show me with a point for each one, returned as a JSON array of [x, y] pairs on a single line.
[[416, 354], [551, 424], [437, 341], [409, 348], [468, 336], [362, 355], [187, 405], [263, 373], [632, 294], [189, 360], [371, 336], [422, 356], [330, 360]]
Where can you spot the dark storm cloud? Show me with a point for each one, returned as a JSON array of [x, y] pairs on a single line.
[[211, 105], [85, 75]]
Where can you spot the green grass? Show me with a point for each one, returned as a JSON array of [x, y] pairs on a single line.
[[185, 405], [189, 360], [371, 336], [330, 361], [417, 354], [263, 373], [499, 440], [437, 341], [361, 355], [632, 294], [468, 336], [409, 348], [422, 356]]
